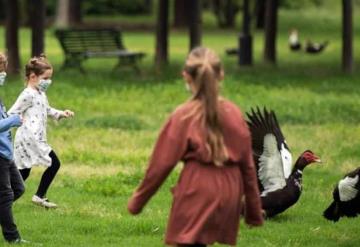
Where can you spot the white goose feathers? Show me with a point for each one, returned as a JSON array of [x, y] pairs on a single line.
[[271, 152]]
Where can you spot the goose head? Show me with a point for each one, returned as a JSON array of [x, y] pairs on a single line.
[[306, 158]]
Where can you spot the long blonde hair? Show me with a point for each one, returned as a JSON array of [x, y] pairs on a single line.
[[205, 68]]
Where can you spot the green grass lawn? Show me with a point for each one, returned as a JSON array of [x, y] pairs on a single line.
[[105, 148]]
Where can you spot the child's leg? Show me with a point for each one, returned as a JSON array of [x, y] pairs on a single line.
[[8, 226], [48, 175], [17, 183], [25, 173]]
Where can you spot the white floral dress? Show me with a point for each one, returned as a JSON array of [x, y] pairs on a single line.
[[30, 145]]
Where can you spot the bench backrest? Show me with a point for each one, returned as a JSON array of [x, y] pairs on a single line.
[[94, 40]]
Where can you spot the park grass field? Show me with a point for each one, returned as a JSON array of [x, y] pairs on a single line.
[[105, 148]]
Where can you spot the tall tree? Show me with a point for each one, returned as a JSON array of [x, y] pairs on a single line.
[[180, 16], [12, 38], [194, 22], [245, 39], [62, 14], [37, 14], [75, 16], [347, 36], [148, 6], [271, 9], [162, 30], [225, 12], [260, 13]]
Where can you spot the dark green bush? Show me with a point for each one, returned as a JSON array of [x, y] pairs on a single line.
[[291, 4], [110, 7]]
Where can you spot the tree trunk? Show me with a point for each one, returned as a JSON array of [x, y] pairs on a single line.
[[347, 36], [230, 13], [245, 39], [12, 40], [260, 14], [180, 17], [270, 30], [225, 12], [149, 6], [62, 14], [37, 23], [75, 16], [162, 30], [194, 23], [217, 11]]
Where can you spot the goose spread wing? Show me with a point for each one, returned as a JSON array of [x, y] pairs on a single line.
[[270, 150], [270, 172]]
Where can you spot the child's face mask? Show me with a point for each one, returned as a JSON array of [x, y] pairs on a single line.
[[44, 84], [2, 78]]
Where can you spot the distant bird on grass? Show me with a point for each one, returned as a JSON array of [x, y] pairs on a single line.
[[294, 42], [232, 51], [314, 48], [310, 47], [280, 184], [346, 197]]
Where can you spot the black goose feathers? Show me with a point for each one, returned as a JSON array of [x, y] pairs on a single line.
[[346, 197], [279, 183]]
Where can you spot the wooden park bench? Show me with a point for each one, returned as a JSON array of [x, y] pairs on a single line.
[[82, 44]]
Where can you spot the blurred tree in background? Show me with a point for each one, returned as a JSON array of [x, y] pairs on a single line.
[[226, 11], [39, 14], [291, 4], [101, 7], [12, 35], [180, 17]]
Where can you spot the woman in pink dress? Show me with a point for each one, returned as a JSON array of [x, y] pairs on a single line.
[[209, 135]]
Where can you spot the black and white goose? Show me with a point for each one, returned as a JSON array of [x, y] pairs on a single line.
[[346, 197], [294, 42], [280, 184], [314, 47]]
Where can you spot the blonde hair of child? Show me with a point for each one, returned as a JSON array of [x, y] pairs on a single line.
[[205, 68]]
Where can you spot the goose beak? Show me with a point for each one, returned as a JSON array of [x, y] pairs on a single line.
[[317, 159]]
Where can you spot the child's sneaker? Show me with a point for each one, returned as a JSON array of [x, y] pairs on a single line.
[[19, 241], [43, 202]]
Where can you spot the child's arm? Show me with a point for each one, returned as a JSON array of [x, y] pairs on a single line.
[[58, 114], [54, 113], [9, 122], [23, 102], [169, 149]]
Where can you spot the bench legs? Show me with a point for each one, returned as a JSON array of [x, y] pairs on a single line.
[[73, 62], [128, 62]]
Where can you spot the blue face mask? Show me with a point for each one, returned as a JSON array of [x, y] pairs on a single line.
[[2, 78], [44, 85]]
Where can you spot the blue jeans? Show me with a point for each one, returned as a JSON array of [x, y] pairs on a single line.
[[11, 188]]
